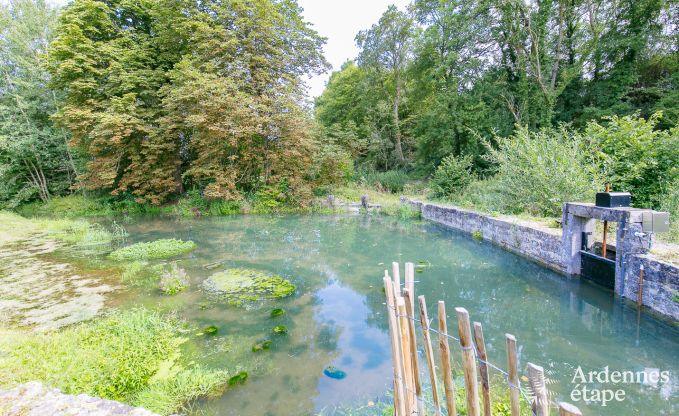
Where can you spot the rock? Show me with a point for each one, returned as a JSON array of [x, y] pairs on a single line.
[[242, 286], [34, 399]]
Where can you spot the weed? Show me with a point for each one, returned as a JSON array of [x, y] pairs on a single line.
[[173, 279], [159, 249]]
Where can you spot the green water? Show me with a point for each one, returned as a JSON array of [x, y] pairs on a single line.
[[337, 315]]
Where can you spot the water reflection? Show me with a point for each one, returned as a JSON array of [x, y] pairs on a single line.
[[337, 316]]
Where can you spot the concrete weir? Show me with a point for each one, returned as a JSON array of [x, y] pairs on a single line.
[[561, 250]]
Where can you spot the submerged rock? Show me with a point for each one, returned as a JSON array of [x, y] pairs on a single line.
[[34, 399], [334, 372], [240, 286]]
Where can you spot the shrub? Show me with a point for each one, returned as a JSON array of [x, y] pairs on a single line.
[[390, 181], [538, 171], [159, 249], [635, 157], [173, 279], [671, 205], [452, 176], [131, 356]]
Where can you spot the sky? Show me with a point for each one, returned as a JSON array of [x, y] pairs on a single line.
[[340, 21]]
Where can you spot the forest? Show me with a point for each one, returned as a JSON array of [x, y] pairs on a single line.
[[505, 106]]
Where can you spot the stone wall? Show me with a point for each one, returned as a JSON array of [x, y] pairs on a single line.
[[661, 284], [541, 245], [546, 246]]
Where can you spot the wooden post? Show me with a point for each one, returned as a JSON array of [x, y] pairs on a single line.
[[407, 294], [399, 398], [604, 243], [468, 362], [410, 282], [512, 369], [405, 356], [536, 378], [483, 368], [640, 294], [429, 354], [397, 278], [566, 409], [448, 383]]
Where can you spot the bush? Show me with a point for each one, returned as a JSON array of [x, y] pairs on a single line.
[[159, 249], [390, 181], [671, 205], [538, 171], [130, 356], [635, 157], [452, 176]]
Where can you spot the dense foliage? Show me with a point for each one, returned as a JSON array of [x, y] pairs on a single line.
[[452, 78]]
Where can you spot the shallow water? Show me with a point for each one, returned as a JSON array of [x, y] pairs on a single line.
[[337, 315]]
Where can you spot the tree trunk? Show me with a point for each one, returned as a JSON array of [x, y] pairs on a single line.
[[397, 127]]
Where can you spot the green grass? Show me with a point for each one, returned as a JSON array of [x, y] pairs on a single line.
[[159, 249], [133, 356], [173, 280]]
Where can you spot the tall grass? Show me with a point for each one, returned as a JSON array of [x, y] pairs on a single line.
[[133, 356]]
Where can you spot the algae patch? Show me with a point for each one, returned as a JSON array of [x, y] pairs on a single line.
[[240, 286], [159, 249]]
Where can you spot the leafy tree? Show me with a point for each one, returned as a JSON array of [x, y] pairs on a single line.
[[387, 46], [452, 176], [34, 160], [167, 94]]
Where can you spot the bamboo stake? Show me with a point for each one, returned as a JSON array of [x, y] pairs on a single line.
[[407, 294], [448, 383], [395, 270], [429, 353], [566, 409], [513, 375], [483, 368], [468, 362], [536, 377], [399, 407], [405, 355]]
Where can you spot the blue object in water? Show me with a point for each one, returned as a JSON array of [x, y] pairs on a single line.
[[334, 372]]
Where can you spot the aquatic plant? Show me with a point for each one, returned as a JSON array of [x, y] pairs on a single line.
[[239, 378], [159, 249], [239, 286], [141, 273], [133, 356], [173, 279], [477, 235], [262, 345], [280, 330], [275, 313], [210, 330]]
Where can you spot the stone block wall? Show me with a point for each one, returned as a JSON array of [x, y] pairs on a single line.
[[535, 244], [661, 284]]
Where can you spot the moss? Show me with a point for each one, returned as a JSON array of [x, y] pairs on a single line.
[[240, 286], [133, 357], [159, 249], [477, 235]]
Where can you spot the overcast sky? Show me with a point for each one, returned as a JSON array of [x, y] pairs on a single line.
[[339, 21]]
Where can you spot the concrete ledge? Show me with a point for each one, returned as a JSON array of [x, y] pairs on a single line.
[[589, 210], [661, 284]]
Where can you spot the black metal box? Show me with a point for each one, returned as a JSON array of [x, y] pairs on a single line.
[[613, 199]]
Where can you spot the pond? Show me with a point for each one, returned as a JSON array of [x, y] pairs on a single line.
[[336, 317]]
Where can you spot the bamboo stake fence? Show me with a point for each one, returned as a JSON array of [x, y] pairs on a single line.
[[409, 399]]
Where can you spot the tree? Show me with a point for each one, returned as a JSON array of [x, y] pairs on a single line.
[[387, 46], [167, 94], [34, 160]]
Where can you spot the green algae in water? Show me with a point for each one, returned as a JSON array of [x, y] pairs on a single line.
[[240, 286], [159, 249], [239, 378], [263, 345], [280, 330], [275, 313], [210, 330]]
